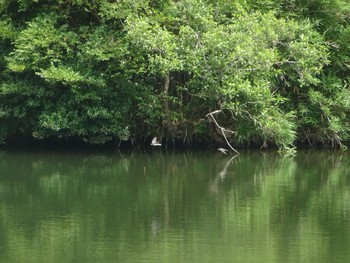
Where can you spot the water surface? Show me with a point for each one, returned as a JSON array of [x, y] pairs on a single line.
[[174, 207]]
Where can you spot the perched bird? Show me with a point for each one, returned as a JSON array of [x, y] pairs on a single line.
[[223, 150], [155, 142]]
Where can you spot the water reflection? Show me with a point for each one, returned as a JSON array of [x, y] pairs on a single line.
[[157, 207], [214, 184]]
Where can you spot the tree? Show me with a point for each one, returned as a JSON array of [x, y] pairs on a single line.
[[106, 70]]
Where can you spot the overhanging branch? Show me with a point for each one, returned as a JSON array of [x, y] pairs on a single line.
[[211, 115]]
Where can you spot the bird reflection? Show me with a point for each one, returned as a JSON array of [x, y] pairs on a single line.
[[155, 226]]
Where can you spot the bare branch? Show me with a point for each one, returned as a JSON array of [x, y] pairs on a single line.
[[211, 115]]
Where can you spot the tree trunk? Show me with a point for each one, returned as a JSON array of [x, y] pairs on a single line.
[[169, 127]]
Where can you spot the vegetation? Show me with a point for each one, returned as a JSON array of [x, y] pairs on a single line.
[[275, 71]]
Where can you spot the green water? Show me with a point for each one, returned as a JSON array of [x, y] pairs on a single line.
[[164, 207]]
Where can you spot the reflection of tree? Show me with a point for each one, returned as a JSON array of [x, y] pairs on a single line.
[[213, 186], [111, 205]]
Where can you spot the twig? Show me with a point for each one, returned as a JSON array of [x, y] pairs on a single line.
[[221, 128]]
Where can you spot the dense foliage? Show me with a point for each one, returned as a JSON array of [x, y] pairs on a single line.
[[274, 71]]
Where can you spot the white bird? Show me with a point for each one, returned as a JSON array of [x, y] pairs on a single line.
[[155, 142], [223, 150]]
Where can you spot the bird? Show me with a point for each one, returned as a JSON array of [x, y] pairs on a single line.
[[155, 142], [223, 150]]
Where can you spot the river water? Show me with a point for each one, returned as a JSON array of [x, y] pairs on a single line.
[[174, 207]]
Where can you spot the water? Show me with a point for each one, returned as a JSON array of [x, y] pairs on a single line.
[[158, 207]]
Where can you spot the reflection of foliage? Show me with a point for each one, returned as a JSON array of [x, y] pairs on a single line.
[[276, 208]]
